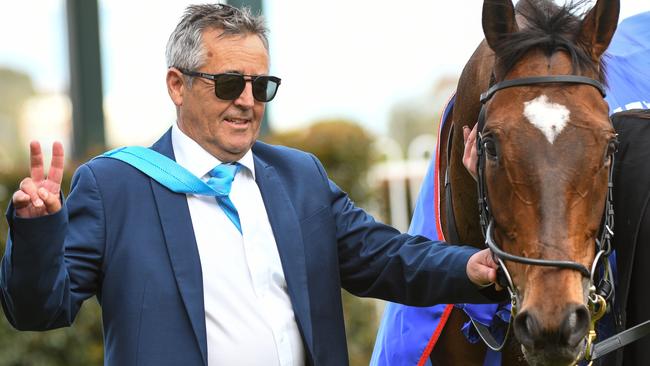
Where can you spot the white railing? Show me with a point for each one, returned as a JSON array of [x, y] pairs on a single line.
[[400, 178]]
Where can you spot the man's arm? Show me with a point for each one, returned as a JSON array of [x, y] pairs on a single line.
[[378, 261], [49, 266]]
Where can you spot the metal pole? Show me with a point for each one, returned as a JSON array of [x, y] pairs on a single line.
[[85, 78], [256, 8]]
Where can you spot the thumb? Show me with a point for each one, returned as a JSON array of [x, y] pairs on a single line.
[[51, 200], [488, 259], [479, 271], [483, 276], [489, 274]]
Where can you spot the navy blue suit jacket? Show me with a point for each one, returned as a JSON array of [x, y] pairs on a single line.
[[128, 240]]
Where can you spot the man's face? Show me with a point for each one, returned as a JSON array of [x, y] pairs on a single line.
[[225, 128]]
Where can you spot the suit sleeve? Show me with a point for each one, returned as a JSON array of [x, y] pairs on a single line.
[[376, 260], [53, 263]]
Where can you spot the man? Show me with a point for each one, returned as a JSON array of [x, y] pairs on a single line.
[[252, 278]]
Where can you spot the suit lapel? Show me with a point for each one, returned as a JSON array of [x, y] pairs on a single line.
[[181, 246], [288, 238]]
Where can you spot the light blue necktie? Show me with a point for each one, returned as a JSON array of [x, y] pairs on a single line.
[[178, 179], [221, 181]]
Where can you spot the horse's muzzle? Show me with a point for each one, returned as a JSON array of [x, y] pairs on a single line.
[[558, 345]]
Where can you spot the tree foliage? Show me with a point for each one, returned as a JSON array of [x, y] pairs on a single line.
[[345, 149]]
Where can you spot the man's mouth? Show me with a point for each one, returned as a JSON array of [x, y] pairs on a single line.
[[237, 121]]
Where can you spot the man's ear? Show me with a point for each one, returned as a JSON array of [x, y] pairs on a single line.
[[176, 85]]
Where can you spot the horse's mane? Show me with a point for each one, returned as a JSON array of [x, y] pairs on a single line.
[[547, 26]]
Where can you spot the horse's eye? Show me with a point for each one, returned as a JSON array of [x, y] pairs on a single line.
[[490, 148]]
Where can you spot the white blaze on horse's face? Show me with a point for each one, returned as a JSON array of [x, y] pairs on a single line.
[[549, 117]]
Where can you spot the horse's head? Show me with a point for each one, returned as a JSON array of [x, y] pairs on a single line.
[[548, 148]]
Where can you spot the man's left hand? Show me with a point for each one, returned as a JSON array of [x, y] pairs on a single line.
[[482, 269]]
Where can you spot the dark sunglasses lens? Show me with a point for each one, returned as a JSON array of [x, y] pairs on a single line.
[[264, 88], [229, 87]]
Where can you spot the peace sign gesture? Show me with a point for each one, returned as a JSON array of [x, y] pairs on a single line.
[[39, 195]]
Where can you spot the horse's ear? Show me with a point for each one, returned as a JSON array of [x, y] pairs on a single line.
[[498, 21], [598, 27]]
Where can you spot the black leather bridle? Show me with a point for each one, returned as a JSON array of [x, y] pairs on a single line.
[[597, 296], [486, 220]]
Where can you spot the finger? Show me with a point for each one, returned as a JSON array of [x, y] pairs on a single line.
[[491, 263], [21, 200], [486, 276], [490, 275], [29, 187], [466, 133], [55, 175], [51, 200], [468, 156], [468, 146], [478, 272], [489, 259], [36, 161], [469, 135]]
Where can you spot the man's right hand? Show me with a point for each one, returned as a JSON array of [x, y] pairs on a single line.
[[39, 194]]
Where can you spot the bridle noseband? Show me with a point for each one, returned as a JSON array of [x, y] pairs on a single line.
[[596, 296]]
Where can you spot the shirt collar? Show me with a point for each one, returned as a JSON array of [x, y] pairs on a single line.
[[190, 155]]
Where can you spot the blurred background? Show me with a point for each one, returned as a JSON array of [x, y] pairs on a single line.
[[363, 83]]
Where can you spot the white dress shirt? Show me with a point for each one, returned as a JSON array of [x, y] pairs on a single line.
[[248, 314]]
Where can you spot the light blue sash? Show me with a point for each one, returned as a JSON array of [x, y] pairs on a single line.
[[166, 172]]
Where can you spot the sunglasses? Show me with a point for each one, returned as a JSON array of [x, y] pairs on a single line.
[[229, 86]]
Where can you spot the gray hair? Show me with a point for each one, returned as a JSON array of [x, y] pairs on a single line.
[[185, 48]]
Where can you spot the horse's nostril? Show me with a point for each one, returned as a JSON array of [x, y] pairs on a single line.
[[575, 325], [526, 328], [569, 333]]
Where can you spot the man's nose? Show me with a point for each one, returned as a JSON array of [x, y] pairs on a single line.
[[246, 99]]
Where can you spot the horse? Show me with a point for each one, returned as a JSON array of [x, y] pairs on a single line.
[[546, 145]]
